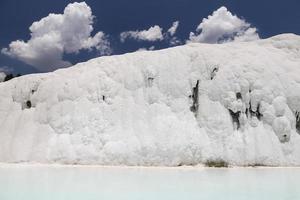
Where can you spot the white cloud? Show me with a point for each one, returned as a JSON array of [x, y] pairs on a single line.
[[169, 35], [223, 26], [57, 34], [174, 41], [172, 30], [142, 49], [6, 69], [152, 34], [2, 76], [248, 35], [152, 48]]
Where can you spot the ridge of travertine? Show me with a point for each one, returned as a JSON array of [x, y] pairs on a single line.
[[198, 103]]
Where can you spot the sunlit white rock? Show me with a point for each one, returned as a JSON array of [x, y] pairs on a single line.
[[145, 108]]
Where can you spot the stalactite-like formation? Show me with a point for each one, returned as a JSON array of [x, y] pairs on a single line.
[[195, 98], [297, 114], [235, 118]]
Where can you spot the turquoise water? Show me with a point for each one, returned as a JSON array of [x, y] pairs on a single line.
[[111, 183]]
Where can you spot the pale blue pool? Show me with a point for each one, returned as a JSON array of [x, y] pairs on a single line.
[[104, 183]]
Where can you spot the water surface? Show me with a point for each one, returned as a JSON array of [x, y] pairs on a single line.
[[117, 183]]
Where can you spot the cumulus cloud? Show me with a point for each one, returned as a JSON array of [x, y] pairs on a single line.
[[57, 34], [154, 33], [223, 26], [172, 30], [169, 35], [174, 41]]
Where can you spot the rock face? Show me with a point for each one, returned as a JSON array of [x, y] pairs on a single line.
[[236, 102]]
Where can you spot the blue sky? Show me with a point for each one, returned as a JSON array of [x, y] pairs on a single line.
[[112, 17]]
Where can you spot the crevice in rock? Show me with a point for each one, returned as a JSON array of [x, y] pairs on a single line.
[[252, 113], [258, 114], [247, 112], [150, 81], [238, 95], [297, 115], [235, 118], [214, 73], [28, 104], [195, 98]]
